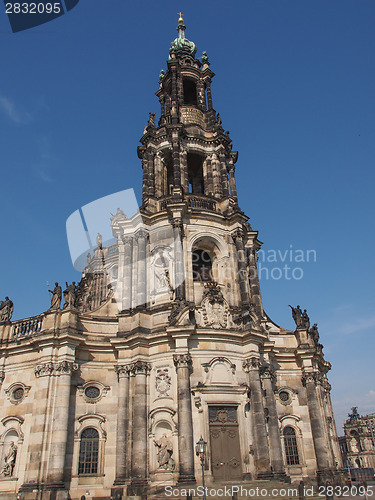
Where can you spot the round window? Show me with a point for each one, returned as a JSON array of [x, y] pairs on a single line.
[[284, 396], [18, 394], [92, 392]]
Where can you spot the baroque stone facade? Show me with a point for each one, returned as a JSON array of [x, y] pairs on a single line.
[[358, 443], [165, 338]]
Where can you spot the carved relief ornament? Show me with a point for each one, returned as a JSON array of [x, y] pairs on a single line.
[[55, 368]]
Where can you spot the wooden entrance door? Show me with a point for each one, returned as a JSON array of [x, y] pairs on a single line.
[[225, 443]]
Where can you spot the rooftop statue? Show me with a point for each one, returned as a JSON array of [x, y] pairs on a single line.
[[56, 297], [6, 310]]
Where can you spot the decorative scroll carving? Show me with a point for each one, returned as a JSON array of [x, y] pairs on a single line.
[[214, 308], [182, 360], [57, 368]]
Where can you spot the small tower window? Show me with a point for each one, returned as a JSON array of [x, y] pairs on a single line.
[[89, 452], [202, 266], [190, 92], [291, 448]]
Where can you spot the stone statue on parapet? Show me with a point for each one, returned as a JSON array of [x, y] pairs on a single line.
[[297, 315], [10, 460], [70, 295], [305, 320], [301, 319], [56, 297], [6, 310], [99, 240], [313, 332], [151, 120]]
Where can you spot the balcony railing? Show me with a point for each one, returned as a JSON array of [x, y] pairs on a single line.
[[202, 203], [26, 327]]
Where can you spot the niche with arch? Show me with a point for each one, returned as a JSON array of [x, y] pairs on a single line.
[[10, 443], [163, 441]]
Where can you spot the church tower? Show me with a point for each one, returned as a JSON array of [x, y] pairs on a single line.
[[165, 339]]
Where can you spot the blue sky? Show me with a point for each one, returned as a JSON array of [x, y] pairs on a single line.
[[294, 85]]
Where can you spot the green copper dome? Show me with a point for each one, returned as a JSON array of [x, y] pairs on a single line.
[[181, 43]]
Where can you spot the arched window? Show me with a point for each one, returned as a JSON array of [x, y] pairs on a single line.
[[89, 452], [202, 266], [291, 448], [190, 92]]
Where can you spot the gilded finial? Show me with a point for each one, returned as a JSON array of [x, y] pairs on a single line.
[[180, 19]]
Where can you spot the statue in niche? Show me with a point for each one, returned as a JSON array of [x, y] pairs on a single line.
[[6, 310], [164, 453], [163, 382], [9, 460], [56, 297]]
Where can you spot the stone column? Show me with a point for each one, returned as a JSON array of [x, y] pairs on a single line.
[[276, 454], [261, 451], [209, 181], [309, 380], [184, 170], [140, 279], [176, 164], [232, 182], [151, 173], [224, 175], [62, 369], [215, 172], [256, 297], [183, 364], [145, 178], [36, 462], [128, 272], [242, 271], [201, 98], [209, 95], [178, 232], [122, 423], [140, 370]]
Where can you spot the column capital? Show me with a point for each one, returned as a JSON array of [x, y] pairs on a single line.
[[266, 371], [310, 378], [123, 370], [182, 360], [139, 367], [141, 234], [54, 369], [251, 364], [127, 240]]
